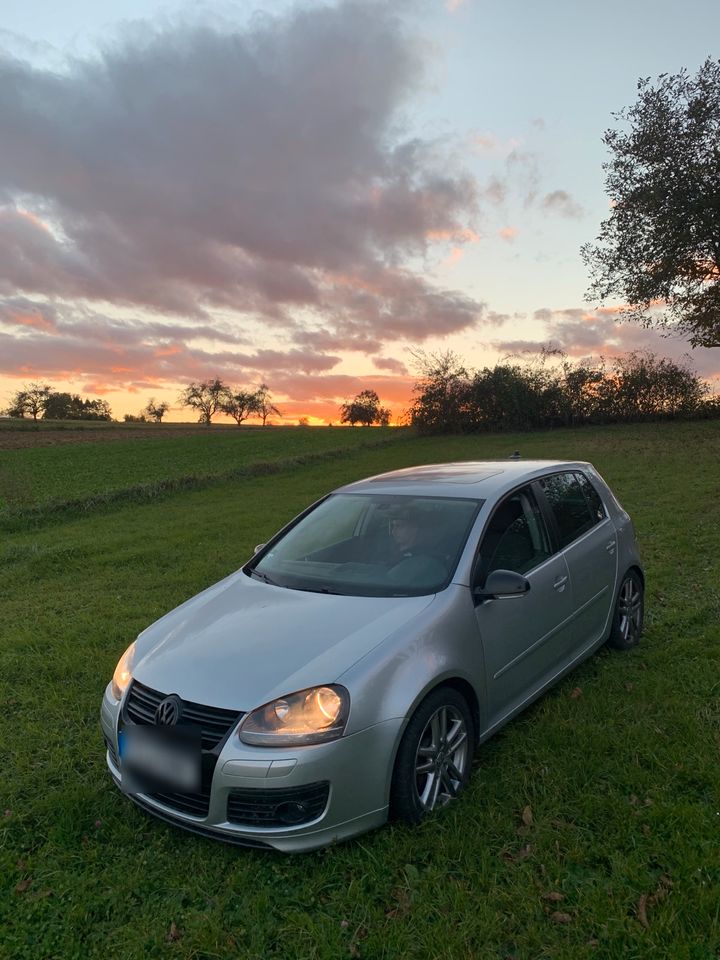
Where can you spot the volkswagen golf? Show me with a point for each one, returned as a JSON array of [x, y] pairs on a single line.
[[350, 669]]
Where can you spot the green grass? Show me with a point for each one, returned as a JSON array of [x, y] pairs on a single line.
[[34, 480], [623, 781]]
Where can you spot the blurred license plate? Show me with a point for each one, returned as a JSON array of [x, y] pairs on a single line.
[[154, 759]]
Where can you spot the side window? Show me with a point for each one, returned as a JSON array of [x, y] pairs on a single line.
[[516, 537], [597, 508], [569, 506]]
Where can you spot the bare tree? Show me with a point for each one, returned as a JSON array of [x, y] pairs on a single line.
[[155, 411], [265, 407]]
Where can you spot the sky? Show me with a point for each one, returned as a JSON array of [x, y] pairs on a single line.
[[305, 194]]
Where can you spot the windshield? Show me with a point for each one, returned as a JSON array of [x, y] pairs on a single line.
[[371, 545]]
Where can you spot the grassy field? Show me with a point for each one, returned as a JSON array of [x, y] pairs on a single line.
[[40, 479], [616, 857]]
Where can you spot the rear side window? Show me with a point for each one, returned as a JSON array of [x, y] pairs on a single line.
[[597, 509], [569, 505]]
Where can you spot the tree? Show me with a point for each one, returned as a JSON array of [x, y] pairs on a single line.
[[206, 397], [30, 400], [18, 405], [365, 409], [70, 406], [155, 411], [439, 392], [240, 405], [265, 407], [660, 248]]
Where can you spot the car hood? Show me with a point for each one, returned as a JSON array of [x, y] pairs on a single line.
[[243, 642]]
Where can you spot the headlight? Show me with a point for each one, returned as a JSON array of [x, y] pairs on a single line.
[[309, 716], [123, 672]]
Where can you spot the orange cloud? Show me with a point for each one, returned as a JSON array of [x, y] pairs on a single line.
[[33, 318], [508, 233], [461, 235]]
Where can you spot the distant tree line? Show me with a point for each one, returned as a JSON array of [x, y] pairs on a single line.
[[214, 396], [40, 400], [553, 392]]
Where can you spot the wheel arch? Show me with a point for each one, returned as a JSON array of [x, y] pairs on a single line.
[[634, 568], [461, 686]]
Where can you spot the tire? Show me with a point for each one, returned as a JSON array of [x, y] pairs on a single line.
[[434, 757], [629, 613]]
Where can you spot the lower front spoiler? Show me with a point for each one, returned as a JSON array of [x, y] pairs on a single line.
[[284, 843]]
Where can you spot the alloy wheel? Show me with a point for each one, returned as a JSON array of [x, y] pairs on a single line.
[[442, 758]]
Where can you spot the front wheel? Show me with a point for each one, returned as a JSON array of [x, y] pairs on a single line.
[[433, 761], [629, 612]]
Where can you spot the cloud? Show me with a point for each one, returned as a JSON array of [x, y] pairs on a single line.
[[508, 234], [561, 202], [524, 170], [583, 333], [387, 363], [248, 171]]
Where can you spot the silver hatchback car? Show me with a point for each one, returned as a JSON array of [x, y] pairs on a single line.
[[349, 670]]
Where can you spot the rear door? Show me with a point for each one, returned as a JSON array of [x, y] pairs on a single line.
[[587, 539], [525, 639]]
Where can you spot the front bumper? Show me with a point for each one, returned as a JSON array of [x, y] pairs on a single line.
[[358, 769]]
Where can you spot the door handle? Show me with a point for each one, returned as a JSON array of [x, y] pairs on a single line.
[[610, 546], [560, 584]]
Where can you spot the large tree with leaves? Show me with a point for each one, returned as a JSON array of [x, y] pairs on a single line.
[[206, 397], [30, 400], [659, 250], [365, 409]]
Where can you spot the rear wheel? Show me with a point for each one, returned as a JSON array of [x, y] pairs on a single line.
[[433, 761], [629, 613]]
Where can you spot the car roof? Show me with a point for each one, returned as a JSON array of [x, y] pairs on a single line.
[[477, 479]]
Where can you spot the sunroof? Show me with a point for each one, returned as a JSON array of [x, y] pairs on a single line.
[[441, 472]]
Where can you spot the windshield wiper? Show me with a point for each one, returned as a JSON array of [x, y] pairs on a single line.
[[264, 577], [318, 590]]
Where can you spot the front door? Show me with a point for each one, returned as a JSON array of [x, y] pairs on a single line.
[[527, 639]]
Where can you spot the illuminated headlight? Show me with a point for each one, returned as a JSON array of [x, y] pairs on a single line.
[[309, 716], [123, 672]]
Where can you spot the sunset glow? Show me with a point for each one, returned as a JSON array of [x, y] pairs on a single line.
[[404, 178]]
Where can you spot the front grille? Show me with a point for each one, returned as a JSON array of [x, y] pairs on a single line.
[[214, 722], [277, 808], [215, 725]]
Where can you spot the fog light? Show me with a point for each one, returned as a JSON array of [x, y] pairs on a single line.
[[291, 812]]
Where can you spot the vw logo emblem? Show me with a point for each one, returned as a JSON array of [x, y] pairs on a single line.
[[168, 711]]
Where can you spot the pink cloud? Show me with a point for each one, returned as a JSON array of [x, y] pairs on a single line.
[[388, 363], [508, 234], [174, 180]]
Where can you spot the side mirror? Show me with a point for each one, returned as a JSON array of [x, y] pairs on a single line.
[[502, 585], [258, 548]]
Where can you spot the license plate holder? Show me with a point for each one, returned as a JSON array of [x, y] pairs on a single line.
[[155, 759]]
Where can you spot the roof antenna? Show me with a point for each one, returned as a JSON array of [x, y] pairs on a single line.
[[515, 455]]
